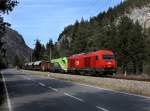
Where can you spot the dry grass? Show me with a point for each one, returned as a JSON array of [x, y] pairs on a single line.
[[141, 77], [131, 86]]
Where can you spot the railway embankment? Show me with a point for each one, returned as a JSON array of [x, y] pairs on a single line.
[[128, 86]]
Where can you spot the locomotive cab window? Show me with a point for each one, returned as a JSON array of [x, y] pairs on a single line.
[[97, 57], [108, 57]]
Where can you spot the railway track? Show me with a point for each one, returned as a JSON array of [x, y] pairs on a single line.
[[128, 78]]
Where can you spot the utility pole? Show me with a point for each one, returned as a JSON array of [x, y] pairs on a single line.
[[146, 18], [50, 53], [31, 56], [32, 53]]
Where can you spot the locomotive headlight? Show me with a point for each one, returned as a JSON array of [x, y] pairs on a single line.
[[77, 63], [109, 63]]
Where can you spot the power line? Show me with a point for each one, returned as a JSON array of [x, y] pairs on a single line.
[[93, 4]]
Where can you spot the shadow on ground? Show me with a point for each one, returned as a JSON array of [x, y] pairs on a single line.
[[19, 87], [2, 93], [60, 102]]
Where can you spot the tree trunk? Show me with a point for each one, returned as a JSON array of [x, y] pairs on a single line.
[[134, 67], [140, 67]]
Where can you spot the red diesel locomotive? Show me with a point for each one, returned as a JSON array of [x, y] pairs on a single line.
[[99, 62]]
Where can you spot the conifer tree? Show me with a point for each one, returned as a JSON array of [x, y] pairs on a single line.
[[6, 6], [38, 52]]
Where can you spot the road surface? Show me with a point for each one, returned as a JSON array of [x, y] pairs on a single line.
[[35, 93]]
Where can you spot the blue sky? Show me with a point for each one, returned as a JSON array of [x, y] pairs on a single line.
[[45, 19]]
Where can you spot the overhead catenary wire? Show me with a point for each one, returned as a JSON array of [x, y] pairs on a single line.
[[88, 9]]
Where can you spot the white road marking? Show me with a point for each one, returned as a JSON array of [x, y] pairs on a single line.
[[53, 78], [42, 84], [102, 108], [81, 100], [26, 77], [7, 95], [54, 89], [114, 91]]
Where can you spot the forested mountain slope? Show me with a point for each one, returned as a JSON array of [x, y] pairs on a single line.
[[120, 29]]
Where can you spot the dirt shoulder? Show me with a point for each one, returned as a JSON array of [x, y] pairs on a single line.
[[129, 86]]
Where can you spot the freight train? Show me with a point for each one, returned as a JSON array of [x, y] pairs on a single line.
[[99, 62]]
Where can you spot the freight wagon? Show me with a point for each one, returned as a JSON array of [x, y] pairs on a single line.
[[38, 66], [29, 65], [59, 65], [42, 65]]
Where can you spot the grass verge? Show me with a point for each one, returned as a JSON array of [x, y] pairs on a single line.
[[129, 86]]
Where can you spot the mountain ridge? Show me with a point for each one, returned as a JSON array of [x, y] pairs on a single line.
[[15, 46]]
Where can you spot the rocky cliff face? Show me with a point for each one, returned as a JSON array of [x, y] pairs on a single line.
[[142, 15], [15, 46]]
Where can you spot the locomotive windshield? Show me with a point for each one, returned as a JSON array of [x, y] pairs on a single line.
[[108, 57]]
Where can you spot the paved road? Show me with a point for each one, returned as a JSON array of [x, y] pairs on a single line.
[[36, 93]]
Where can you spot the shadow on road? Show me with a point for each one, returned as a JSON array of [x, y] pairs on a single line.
[[115, 101], [56, 102], [60, 102], [2, 92], [19, 86]]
